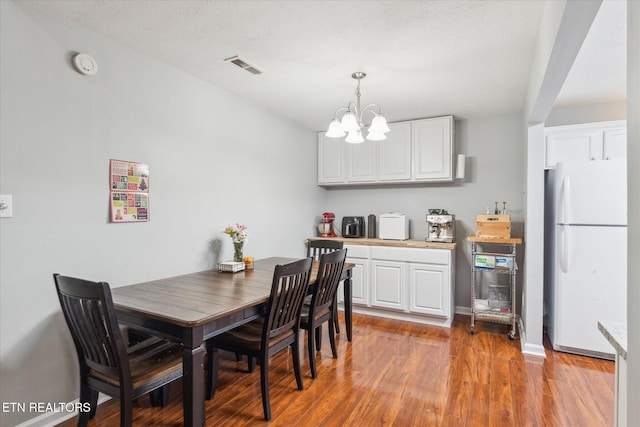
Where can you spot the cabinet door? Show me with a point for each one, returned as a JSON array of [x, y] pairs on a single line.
[[388, 284], [615, 144], [576, 145], [361, 162], [429, 289], [432, 141], [331, 162], [359, 282], [394, 153]]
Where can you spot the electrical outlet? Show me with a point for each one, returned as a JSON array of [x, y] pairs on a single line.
[[6, 206]]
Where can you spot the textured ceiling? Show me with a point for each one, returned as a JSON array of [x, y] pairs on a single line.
[[422, 58]]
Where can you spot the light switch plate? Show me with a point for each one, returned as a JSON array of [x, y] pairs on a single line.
[[6, 206]]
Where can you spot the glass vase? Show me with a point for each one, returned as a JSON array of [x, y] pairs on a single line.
[[237, 251]]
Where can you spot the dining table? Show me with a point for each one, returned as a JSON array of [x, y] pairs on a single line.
[[192, 308]]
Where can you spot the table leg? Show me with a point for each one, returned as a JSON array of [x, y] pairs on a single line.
[[347, 304], [193, 385]]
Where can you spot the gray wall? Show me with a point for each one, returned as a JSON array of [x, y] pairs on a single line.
[[494, 150], [214, 158]]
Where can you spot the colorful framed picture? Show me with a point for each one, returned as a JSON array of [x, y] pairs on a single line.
[[129, 191]]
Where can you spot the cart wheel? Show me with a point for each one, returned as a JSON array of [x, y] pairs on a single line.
[[473, 330], [511, 335]]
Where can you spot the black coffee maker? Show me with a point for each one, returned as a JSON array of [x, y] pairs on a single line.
[[353, 226]]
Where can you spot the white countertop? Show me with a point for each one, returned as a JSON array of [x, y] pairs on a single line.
[[616, 334]]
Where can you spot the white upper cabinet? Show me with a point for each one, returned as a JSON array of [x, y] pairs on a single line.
[[331, 160], [591, 141], [361, 162], [432, 149], [615, 144], [394, 158], [414, 151]]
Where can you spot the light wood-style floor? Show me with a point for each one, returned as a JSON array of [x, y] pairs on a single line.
[[405, 374]]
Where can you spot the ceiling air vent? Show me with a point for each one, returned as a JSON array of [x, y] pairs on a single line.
[[244, 64]]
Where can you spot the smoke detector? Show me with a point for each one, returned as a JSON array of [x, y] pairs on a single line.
[[85, 64], [244, 64]]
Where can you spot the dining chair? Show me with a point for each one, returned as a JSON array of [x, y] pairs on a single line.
[[322, 305], [315, 248], [265, 336], [106, 364]]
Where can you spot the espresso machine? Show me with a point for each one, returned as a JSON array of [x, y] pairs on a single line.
[[441, 226], [326, 225]]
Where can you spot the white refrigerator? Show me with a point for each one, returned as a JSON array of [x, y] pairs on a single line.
[[589, 271]]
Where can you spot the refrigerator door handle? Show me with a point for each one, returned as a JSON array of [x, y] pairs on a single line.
[[564, 250], [565, 191]]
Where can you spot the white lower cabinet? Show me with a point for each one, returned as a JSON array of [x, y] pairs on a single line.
[[429, 286], [388, 283], [359, 282], [415, 284]]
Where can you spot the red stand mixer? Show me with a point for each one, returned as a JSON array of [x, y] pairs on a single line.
[[326, 226]]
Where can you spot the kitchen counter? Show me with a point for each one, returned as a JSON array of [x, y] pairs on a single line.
[[411, 243], [616, 334]]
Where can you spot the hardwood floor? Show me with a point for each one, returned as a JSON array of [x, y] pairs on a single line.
[[404, 374]]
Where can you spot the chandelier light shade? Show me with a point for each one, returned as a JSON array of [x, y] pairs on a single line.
[[352, 125]]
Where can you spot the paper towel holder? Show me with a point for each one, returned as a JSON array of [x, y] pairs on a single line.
[[460, 166]]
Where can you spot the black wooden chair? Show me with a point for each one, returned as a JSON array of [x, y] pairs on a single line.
[[315, 248], [264, 337], [106, 364], [322, 305]]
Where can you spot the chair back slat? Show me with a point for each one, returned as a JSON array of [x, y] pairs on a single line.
[[289, 287], [315, 248], [89, 313], [329, 273]]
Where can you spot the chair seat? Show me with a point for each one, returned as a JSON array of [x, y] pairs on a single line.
[[247, 337], [149, 360], [304, 317]]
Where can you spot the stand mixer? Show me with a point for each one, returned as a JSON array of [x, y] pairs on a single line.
[[326, 225]]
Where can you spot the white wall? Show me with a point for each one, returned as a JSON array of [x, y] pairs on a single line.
[[493, 146], [563, 29], [633, 214], [214, 158]]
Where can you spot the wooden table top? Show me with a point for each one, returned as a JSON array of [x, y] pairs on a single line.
[[197, 298]]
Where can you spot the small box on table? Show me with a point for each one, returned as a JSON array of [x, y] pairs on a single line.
[[493, 226]]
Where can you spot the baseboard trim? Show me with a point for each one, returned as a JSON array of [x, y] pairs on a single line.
[[528, 348]]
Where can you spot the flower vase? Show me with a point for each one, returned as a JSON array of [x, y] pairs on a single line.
[[237, 251]]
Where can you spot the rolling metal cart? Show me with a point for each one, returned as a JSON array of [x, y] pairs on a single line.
[[493, 302]]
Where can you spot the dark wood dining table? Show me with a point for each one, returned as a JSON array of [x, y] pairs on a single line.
[[195, 307]]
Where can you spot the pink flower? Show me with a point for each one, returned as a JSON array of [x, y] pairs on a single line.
[[237, 233]]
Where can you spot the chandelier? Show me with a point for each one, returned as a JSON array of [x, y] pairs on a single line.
[[351, 123]]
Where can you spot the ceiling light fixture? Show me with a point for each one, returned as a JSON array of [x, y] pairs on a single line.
[[351, 123]]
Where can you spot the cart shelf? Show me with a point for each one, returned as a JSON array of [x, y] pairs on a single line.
[[499, 307]]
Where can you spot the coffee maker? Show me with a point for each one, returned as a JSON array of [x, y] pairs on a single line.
[[326, 225], [440, 226]]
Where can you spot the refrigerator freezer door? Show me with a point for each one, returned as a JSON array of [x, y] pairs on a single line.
[[590, 285], [591, 192]]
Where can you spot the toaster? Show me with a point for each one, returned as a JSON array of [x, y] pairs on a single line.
[[393, 226]]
